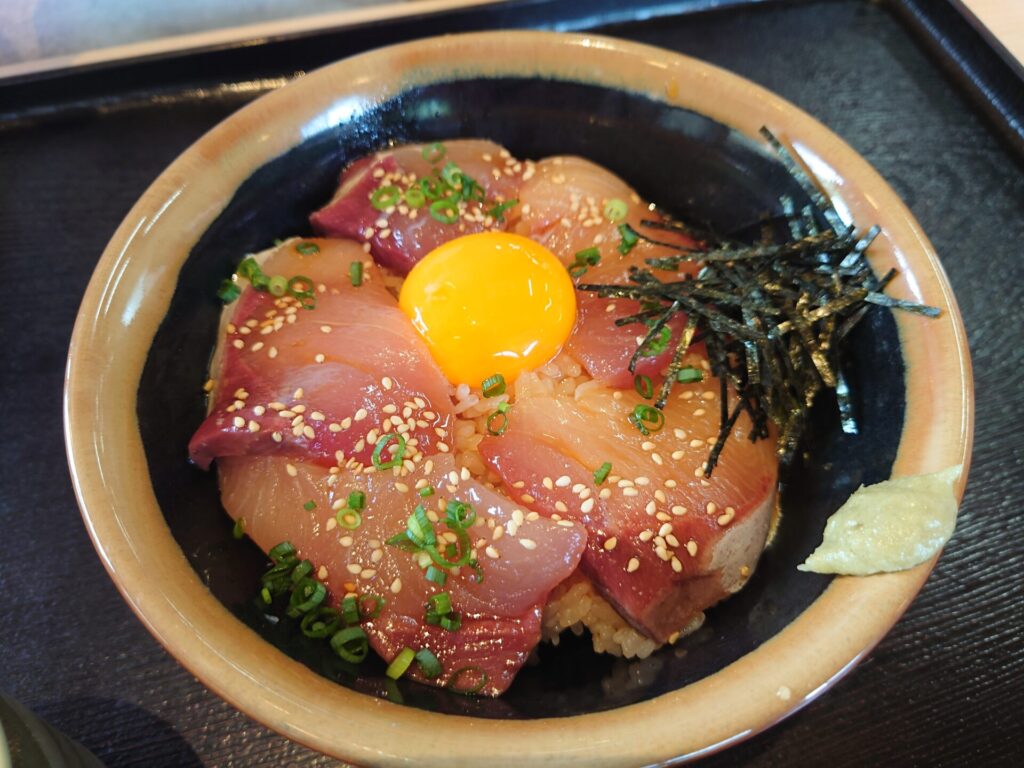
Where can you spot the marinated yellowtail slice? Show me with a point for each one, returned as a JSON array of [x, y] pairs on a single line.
[[664, 542], [394, 199], [576, 209], [322, 384], [520, 555]]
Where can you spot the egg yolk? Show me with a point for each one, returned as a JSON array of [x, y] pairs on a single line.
[[490, 303]]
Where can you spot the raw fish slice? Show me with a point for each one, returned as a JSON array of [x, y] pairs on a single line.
[[664, 543], [309, 383], [562, 207], [400, 236], [518, 567]]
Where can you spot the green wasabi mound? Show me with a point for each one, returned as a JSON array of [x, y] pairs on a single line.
[[891, 526]]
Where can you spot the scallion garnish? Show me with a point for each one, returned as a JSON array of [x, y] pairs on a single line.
[[400, 663], [602, 472], [493, 386], [588, 257], [282, 552], [453, 682], [458, 514], [689, 375], [414, 197], [355, 273], [376, 602], [307, 248], [228, 291], [452, 623], [451, 174], [321, 623], [349, 610], [643, 386], [306, 595], [397, 457], [301, 571], [478, 572], [425, 491], [629, 238], [239, 530], [348, 518], [497, 212], [441, 603], [647, 419], [436, 575], [497, 422], [385, 197], [445, 210], [351, 644], [357, 500], [658, 343], [434, 153], [615, 210], [277, 285], [429, 664], [309, 506], [432, 189]]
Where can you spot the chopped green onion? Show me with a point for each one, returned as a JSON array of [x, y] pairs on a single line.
[[321, 623], [590, 257], [451, 174], [228, 291], [615, 210], [300, 287], [658, 344], [433, 153], [309, 506], [349, 611], [458, 514], [429, 664], [689, 375], [355, 273], [647, 419], [575, 272], [301, 571], [306, 248], [436, 575], [419, 529], [441, 603], [414, 197], [426, 490], [385, 197], [451, 623], [377, 603], [265, 595], [498, 211], [478, 572], [248, 269], [400, 663], [629, 238], [453, 681], [357, 500], [403, 542], [306, 596], [446, 211], [278, 285], [644, 386], [396, 459], [348, 518], [282, 551], [496, 427], [493, 386], [602, 472], [451, 562], [432, 189], [239, 530], [351, 644]]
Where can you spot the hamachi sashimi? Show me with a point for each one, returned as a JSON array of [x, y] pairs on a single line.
[[565, 206], [521, 555], [399, 234], [664, 541], [321, 383]]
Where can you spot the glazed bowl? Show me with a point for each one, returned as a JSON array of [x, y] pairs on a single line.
[[685, 134]]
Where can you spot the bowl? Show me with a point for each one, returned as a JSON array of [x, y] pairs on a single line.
[[685, 134]]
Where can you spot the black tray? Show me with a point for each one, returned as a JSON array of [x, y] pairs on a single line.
[[910, 85]]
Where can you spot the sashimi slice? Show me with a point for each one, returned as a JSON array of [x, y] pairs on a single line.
[[664, 542], [400, 235], [327, 382], [563, 207], [521, 555]]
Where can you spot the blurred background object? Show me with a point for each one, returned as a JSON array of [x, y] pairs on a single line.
[[28, 742]]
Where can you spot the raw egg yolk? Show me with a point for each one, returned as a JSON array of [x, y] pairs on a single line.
[[490, 303]]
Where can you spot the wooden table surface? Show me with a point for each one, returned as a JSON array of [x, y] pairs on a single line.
[[944, 688]]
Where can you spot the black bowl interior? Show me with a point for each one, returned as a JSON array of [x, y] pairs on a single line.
[[698, 169]]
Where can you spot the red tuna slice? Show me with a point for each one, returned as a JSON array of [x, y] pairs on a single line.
[[563, 207], [500, 614], [664, 542], [323, 383], [401, 235]]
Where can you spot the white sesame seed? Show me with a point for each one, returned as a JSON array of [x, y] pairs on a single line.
[[253, 426], [563, 481], [632, 565], [646, 535], [665, 529], [360, 414], [396, 586], [528, 543], [354, 568], [676, 565], [691, 547], [609, 544], [491, 552], [560, 506], [630, 492], [587, 506], [291, 470], [238, 421], [651, 508]]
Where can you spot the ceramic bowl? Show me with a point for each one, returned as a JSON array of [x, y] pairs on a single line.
[[684, 134]]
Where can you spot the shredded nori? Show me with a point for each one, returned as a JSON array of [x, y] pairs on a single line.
[[773, 316]]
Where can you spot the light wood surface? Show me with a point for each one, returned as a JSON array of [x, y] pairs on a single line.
[[1004, 20]]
